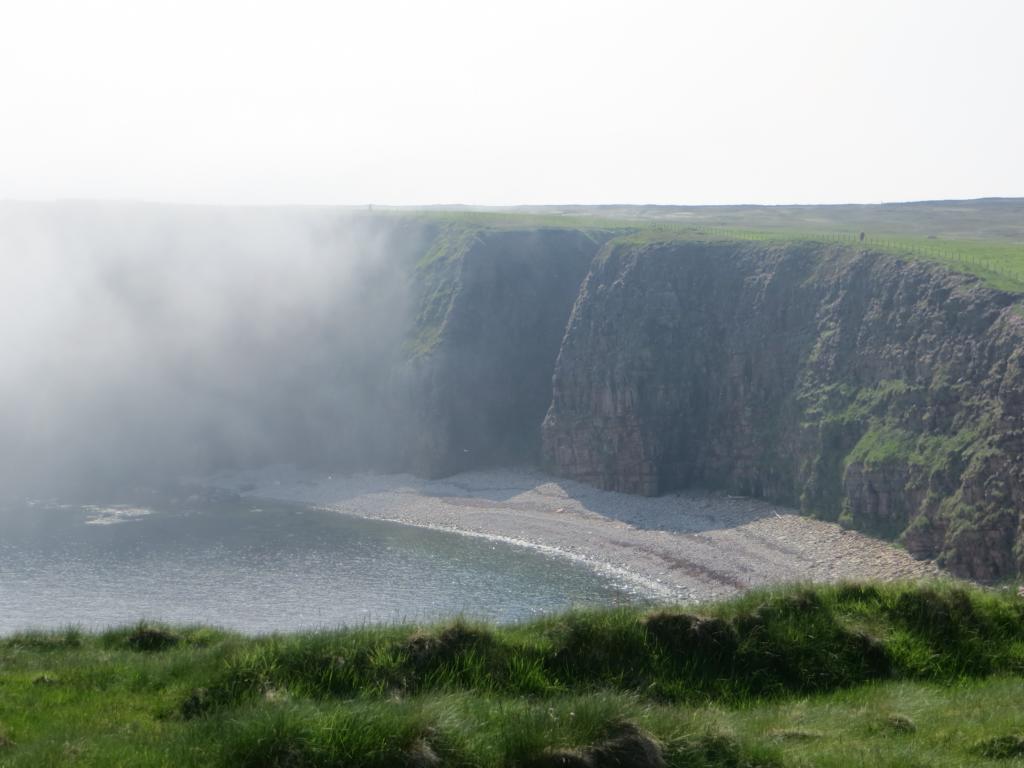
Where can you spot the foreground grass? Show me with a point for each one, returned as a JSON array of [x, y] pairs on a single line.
[[847, 675]]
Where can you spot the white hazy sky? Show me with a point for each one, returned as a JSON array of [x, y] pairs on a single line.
[[383, 101]]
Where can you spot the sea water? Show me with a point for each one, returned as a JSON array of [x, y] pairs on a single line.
[[259, 566]]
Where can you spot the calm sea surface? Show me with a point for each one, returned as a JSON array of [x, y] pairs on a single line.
[[263, 566]]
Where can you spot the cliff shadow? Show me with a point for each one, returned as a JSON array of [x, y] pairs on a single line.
[[692, 510], [685, 511]]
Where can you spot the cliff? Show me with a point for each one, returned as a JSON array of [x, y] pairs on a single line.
[[492, 311], [880, 392]]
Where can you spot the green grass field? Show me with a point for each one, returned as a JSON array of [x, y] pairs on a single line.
[[851, 675], [999, 264], [965, 239], [989, 220]]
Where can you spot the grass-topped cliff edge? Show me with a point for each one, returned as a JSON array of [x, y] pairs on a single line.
[[828, 676]]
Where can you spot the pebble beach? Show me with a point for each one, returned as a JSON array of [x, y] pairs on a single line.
[[690, 547]]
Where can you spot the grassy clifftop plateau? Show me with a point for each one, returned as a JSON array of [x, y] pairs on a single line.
[[833, 676], [981, 238]]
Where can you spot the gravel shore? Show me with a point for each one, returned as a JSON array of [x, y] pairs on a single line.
[[690, 546]]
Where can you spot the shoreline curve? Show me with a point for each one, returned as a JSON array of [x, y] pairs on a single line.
[[687, 547]]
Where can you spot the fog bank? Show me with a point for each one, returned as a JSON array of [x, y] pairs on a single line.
[[144, 341]]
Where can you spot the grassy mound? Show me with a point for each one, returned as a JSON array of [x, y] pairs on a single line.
[[771, 679]]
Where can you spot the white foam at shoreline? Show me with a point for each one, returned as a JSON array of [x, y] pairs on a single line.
[[632, 582]]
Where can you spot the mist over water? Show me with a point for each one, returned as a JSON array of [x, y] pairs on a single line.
[[146, 341], [147, 344]]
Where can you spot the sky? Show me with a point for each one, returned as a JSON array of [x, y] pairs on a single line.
[[498, 103]]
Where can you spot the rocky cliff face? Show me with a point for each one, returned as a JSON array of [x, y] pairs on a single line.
[[676, 370], [883, 393], [887, 394], [493, 310]]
